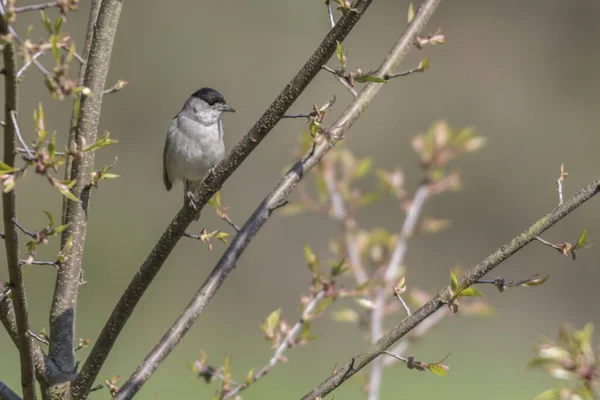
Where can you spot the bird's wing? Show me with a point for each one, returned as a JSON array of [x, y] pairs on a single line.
[[166, 180]]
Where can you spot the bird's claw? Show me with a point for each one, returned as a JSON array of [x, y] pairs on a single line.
[[191, 200]]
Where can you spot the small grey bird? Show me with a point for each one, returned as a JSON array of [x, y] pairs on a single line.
[[195, 141]]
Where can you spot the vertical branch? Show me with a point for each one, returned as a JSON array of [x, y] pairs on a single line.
[[62, 313], [95, 8], [11, 238], [391, 270]]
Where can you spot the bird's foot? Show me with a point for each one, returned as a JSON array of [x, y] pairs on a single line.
[[191, 200]]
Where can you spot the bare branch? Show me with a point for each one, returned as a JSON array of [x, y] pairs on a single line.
[[330, 13], [285, 344], [64, 301], [36, 7], [38, 337], [492, 261], [396, 260], [9, 201], [212, 183], [341, 80], [274, 200], [7, 393], [29, 62], [13, 116]]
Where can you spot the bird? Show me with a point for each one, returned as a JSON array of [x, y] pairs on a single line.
[[194, 143]]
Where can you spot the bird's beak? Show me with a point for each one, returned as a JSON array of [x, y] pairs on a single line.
[[227, 108]]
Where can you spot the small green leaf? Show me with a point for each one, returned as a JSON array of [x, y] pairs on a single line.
[[551, 394], [55, 50], [57, 24], [311, 259], [453, 282], [61, 228], [535, 281], [52, 146], [423, 65], [340, 55], [437, 369], [67, 193], [363, 167], [249, 377], [5, 168], [47, 23], [582, 241], [411, 12], [339, 267], [271, 323], [367, 199], [321, 306], [369, 78], [470, 292], [101, 142], [345, 315], [50, 218], [70, 53]]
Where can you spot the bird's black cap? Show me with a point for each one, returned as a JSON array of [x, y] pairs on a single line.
[[210, 96]]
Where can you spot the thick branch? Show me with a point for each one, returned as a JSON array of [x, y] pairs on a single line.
[[11, 236], [62, 313], [470, 278], [213, 183], [262, 214]]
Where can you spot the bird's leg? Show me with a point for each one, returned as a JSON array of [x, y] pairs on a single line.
[[191, 199]]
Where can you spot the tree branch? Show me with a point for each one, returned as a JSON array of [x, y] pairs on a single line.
[[470, 278], [285, 344], [64, 301], [7, 393], [11, 236], [212, 183], [391, 270], [273, 201], [36, 7]]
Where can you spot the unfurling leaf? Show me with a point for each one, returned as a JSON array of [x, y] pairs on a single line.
[[411, 12]]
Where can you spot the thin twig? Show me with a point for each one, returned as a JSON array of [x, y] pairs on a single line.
[[358, 362], [296, 116], [340, 212], [22, 229], [35, 262], [36, 7], [547, 243], [341, 80], [38, 337], [391, 270], [290, 338], [399, 358], [330, 13], [29, 62], [399, 297], [212, 183], [264, 211], [230, 222], [13, 116], [405, 73]]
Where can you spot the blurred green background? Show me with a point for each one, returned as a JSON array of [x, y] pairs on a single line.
[[524, 74]]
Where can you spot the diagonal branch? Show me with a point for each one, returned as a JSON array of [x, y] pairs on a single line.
[[64, 300], [11, 236], [274, 200], [7, 393], [212, 183], [492, 261]]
